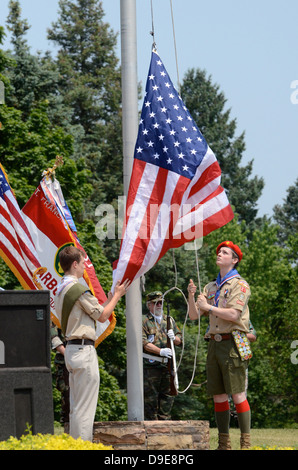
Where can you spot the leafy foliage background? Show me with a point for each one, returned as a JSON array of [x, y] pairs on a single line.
[[70, 105]]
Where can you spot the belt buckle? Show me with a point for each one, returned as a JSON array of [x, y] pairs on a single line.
[[218, 338]]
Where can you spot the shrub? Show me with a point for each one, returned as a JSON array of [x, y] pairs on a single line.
[[49, 442]]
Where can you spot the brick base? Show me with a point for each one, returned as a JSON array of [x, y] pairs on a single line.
[[153, 435]]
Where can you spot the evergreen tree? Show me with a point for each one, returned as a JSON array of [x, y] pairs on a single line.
[[5, 61], [206, 104], [286, 215], [90, 88]]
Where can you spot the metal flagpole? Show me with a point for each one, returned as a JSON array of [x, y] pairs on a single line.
[[129, 132]]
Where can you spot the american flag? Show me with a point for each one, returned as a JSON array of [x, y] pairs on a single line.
[[16, 245], [174, 195]]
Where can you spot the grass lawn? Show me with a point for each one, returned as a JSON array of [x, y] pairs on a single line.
[[261, 437], [268, 438]]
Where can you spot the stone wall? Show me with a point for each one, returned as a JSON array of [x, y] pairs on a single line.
[[153, 435]]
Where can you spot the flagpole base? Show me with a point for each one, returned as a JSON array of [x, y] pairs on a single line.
[[153, 435]]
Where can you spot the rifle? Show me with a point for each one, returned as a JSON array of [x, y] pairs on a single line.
[[172, 362]]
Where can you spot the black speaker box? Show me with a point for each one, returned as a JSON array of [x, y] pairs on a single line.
[[26, 399]]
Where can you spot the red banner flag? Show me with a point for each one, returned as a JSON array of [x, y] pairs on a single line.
[[52, 230]]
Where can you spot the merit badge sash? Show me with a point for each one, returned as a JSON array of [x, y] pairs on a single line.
[[242, 344]]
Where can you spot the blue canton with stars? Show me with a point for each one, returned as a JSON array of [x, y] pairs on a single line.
[[168, 136], [4, 186]]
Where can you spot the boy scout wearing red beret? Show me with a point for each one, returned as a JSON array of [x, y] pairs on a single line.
[[226, 302]]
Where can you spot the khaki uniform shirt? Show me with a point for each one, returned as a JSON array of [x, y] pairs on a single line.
[[81, 321], [235, 294]]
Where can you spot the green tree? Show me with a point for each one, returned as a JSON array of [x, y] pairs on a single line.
[[5, 61], [272, 376], [90, 87], [286, 215]]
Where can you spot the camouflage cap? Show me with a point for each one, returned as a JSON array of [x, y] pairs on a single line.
[[154, 296]]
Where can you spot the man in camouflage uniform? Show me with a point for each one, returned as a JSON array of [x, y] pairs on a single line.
[[61, 373], [158, 401]]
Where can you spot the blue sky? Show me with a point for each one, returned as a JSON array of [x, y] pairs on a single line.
[[249, 47]]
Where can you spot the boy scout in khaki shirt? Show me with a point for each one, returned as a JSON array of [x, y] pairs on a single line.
[[226, 302], [77, 310]]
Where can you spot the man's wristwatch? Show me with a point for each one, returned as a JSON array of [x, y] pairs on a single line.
[[210, 310]]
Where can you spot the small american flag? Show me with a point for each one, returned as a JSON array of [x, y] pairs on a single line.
[[16, 245], [174, 195]]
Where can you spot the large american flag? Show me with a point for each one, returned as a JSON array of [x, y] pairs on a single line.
[[16, 245], [174, 195]]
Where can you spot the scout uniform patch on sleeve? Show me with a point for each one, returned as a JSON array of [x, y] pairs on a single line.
[[243, 284]]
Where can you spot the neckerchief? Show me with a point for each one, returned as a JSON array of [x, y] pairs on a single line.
[[220, 282]]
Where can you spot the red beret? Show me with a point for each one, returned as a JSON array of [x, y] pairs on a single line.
[[233, 247]]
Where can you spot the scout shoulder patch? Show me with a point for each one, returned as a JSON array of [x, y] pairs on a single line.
[[243, 283], [69, 300]]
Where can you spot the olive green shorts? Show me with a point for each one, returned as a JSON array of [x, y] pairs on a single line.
[[226, 373]]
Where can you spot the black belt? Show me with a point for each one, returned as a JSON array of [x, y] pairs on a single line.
[[83, 341]]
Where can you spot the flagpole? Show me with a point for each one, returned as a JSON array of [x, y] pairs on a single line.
[[135, 406]]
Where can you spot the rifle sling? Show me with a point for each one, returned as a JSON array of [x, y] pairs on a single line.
[[173, 391], [69, 300], [163, 360]]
